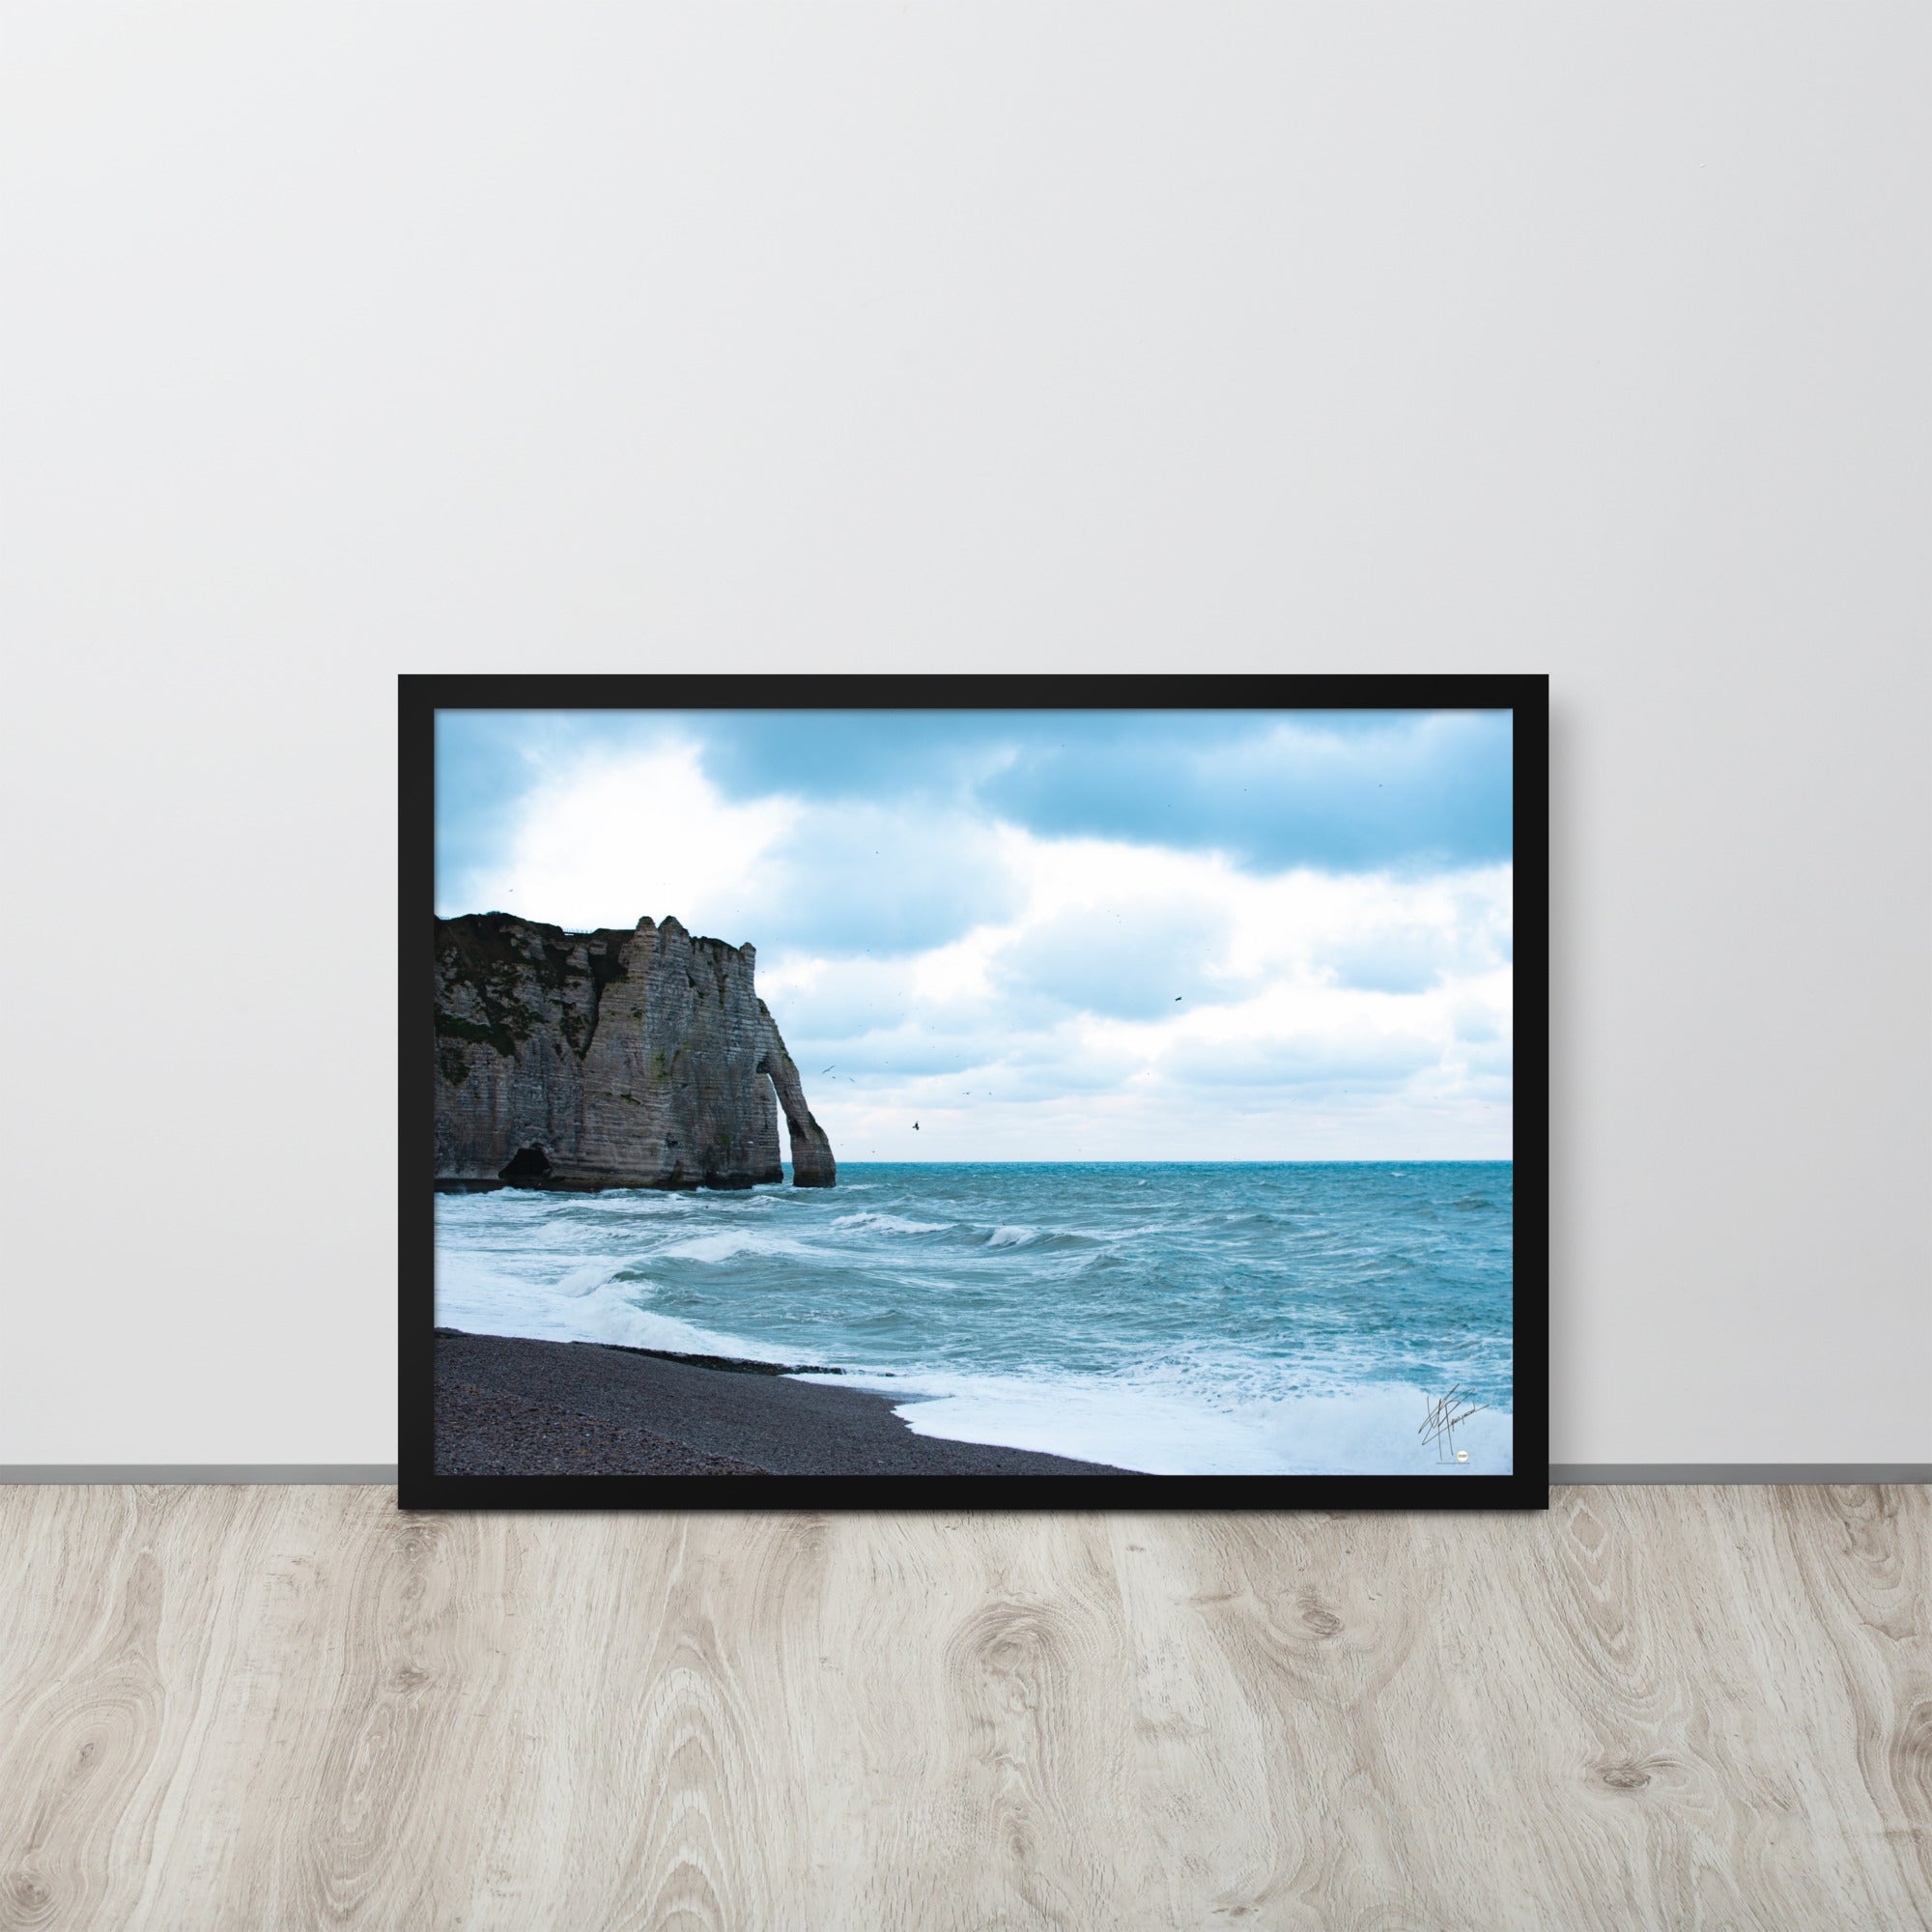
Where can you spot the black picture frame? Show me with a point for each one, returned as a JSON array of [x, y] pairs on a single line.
[[1525, 696]]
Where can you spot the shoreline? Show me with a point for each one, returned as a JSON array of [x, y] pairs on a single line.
[[509, 1406]]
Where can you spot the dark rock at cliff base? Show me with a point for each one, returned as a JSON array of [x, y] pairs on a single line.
[[610, 1059]]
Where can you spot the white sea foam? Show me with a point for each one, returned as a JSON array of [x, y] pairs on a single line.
[[485, 1301], [1134, 1423], [887, 1224], [1011, 1238]]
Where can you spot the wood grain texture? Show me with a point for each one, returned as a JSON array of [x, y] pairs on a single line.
[[292, 1708]]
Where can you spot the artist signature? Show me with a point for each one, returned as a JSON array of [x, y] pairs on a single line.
[[1443, 1416]]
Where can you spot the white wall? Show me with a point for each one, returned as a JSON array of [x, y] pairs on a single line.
[[344, 341]]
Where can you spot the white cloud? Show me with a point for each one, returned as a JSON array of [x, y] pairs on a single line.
[[1016, 994], [1044, 1036], [612, 838]]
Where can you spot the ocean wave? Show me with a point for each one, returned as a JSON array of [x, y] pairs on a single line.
[[888, 1224], [727, 1244], [589, 1278], [1039, 1240], [483, 1301]]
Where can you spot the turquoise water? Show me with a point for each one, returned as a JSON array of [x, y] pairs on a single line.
[[1171, 1317]]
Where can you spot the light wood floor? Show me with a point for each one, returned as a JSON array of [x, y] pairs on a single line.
[[291, 1708]]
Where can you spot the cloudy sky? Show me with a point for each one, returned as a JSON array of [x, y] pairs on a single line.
[[1049, 935]]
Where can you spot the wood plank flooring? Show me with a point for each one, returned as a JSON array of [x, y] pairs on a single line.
[[292, 1708]]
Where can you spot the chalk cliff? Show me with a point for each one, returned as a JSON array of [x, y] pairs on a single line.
[[610, 1059]]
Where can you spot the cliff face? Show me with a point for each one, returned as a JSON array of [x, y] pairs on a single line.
[[610, 1059]]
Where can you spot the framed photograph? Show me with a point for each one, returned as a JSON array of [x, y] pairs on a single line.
[[1096, 1092]]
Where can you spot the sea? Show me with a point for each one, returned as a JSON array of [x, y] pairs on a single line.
[[1176, 1318]]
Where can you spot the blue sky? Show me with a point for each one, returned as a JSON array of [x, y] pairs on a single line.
[[1049, 935]]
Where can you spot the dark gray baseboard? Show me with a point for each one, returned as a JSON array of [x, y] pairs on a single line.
[[1741, 1472], [198, 1472], [384, 1474]]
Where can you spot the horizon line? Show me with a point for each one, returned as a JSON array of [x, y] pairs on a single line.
[[1352, 1160]]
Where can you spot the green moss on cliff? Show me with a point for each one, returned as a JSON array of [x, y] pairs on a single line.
[[502, 1034], [522, 974]]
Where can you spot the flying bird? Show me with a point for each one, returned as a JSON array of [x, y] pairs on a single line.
[[915, 1127], [1177, 999], [828, 1069]]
